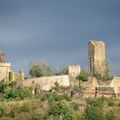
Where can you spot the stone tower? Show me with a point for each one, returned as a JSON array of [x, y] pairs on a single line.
[[4, 67], [96, 56], [74, 70]]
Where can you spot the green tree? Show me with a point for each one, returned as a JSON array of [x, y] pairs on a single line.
[[40, 69], [83, 76]]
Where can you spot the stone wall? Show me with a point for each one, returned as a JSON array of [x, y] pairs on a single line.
[[116, 85], [46, 83], [4, 70]]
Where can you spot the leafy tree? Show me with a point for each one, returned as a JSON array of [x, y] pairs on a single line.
[[40, 69], [83, 76]]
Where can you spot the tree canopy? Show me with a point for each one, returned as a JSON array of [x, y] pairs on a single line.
[[40, 69]]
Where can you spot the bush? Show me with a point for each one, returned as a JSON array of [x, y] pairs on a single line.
[[110, 115], [25, 107], [95, 101], [111, 103], [60, 109], [93, 113], [25, 93], [3, 86], [74, 106], [2, 110], [11, 93], [39, 114], [55, 97]]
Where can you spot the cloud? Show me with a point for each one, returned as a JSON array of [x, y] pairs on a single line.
[[57, 31]]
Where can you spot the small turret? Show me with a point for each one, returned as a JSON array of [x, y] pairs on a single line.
[[21, 74]]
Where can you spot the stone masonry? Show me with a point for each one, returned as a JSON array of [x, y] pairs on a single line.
[[96, 56]]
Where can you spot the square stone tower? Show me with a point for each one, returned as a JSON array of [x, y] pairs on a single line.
[[96, 56], [74, 70]]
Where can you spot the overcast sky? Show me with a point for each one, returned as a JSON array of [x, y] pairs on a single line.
[[57, 31]]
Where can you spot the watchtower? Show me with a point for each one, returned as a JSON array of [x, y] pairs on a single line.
[[96, 56]]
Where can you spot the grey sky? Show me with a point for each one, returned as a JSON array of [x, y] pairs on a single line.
[[57, 31]]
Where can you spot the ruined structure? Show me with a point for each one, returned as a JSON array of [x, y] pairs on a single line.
[[4, 67], [6, 72], [74, 70], [47, 82], [96, 56], [91, 88]]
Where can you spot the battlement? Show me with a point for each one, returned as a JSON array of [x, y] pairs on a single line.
[[96, 43], [5, 64]]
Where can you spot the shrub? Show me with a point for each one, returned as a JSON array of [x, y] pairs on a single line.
[[2, 110], [95, 101], [74, 106], [11, 93], [3, 85], [59, 109], [93, 113], [25, 93], [111, 103], [66, 97], [55, 97], [25, 107], [110, 115], [39, 114]]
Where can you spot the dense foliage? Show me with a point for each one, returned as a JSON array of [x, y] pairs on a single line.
[[40, 69], [9, 90], [83, 76]]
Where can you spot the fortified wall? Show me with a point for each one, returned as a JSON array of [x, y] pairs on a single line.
[[92, 88], [47, 82]]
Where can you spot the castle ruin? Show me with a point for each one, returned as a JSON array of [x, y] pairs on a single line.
[[92, 88]]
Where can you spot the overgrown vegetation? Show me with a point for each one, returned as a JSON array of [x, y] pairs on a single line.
[[83, 76], [10, 90], [40, 69], [107, 71], [19, 103]]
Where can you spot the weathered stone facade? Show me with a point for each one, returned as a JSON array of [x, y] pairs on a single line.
[[116, 85], [46, 83], [96, 56], [4, 70], [74, 70]]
